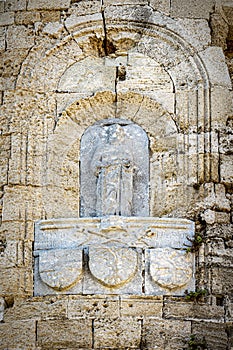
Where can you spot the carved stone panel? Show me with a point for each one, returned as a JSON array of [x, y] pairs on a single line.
[[168, 271], [60, 268], [114, 170], [111, 266], [114, 255]]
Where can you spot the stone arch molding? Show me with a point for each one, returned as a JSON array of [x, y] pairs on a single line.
[[155, 78], [169, 49]]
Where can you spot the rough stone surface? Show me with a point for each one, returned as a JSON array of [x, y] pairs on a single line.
[[15, 5], [118, 332], [192, 8], [212, 57], [25, 34], [51, 5], [22, 334], [64, 334], [170, 334], [6, 18]]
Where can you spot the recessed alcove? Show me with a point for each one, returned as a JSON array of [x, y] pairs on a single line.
[[114, 246]]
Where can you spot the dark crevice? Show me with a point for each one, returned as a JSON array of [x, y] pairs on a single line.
[[36, 330], [108, 46], [93, 338], [9, 302], [21, 65]]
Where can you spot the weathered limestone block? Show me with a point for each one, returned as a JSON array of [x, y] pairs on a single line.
[[87, 77], [185, 75], [10, 281], [170, 333], [117, 333], [221, 280], [214, 333], [74, 21], [226, 168], [226, 139], [160, 5], [93, 307], [64, 334], [4, 158], [214, 61], [6, 19], [9, 258], [142, 307], [53, 29], [194, 31], [51, 5], [125, 2], [27, 17], [197, 30], [18, 230], [31, 197], [18, 334], [192, 8], [129, 13], [221, 106], [211, 217], [179, 309], [219, 28], [144, 74], [2, 6], [50, 16], [229, 310], [213, 196], [19, 37], [45, 308], [83, 8], [2, 38], [15, 5]]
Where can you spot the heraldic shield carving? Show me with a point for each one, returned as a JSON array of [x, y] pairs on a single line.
[[113, 267], [60, 268], [114, 246]]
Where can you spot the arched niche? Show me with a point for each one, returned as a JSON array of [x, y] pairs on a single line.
[[114, 164]]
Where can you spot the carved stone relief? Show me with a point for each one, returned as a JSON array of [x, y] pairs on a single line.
[[114, 247], [114, 170], [113, 254]]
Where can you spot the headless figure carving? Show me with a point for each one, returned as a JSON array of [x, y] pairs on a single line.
[[113, 167]]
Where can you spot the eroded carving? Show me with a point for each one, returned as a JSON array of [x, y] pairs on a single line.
[[60, 269], [170, 268], [113, 267], [114, 242], [114, 170]]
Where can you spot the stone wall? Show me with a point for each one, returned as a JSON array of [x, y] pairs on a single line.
[[161, 64]]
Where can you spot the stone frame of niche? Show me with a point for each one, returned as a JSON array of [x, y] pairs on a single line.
[[114, 254]]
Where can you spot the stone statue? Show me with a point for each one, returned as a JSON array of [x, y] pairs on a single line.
[[114, 170], [113, 167]]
